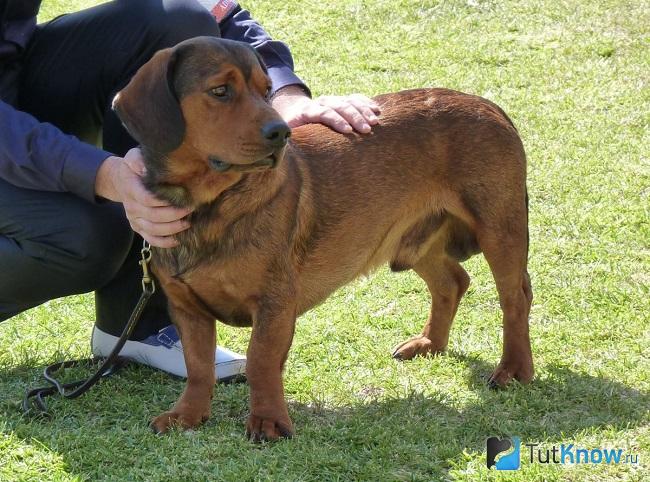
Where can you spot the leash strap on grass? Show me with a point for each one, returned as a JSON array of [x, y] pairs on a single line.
[[34, 400]]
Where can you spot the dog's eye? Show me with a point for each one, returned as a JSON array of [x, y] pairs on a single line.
[[221, 91], [267, 94]]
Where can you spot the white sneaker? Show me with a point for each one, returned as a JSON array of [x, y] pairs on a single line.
[[165, 352]]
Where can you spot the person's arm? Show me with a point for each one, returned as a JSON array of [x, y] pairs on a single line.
[[290, 96], [37, 155]]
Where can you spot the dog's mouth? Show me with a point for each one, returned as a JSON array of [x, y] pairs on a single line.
[[268, 162]]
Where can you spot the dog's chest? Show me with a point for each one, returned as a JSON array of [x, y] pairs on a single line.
[[230, 291], [228, 301]]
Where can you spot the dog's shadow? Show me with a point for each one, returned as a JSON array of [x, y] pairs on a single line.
[[386, 437], [558, 406]]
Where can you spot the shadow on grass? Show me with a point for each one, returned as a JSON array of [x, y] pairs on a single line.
[[105, 432]]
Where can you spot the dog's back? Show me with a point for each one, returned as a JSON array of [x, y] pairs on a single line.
[[424, 175]]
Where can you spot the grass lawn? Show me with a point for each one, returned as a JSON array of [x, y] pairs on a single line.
[[573, 75]]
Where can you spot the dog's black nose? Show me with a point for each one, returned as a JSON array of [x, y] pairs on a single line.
[[276, 132]]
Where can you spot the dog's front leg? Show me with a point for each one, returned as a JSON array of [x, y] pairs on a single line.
[[193, 407], [267, 351]]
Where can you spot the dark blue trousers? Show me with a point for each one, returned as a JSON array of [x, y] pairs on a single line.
[[57, 244]]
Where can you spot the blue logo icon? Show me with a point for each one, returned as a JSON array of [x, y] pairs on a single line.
[[509, 461]]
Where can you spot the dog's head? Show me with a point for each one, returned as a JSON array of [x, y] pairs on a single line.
[[201, 113]]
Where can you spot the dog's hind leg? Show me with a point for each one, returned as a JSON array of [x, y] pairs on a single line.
[[447, 282], [505, 247]]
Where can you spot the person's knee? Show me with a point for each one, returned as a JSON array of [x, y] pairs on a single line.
[[79, 251], [188, 18], [172, 21]]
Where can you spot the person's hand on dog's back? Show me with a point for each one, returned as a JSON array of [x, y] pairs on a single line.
[[344, 114], [120, 179]]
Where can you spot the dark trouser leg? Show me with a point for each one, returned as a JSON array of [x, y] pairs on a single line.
[[72, 69], [56, 244]]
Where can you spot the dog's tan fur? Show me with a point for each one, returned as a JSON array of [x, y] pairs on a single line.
[[442, 177]]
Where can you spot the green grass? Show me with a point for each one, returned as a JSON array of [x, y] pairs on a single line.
[[573, 75]]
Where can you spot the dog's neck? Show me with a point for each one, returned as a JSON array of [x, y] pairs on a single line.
[[229, 222], [252, 192]]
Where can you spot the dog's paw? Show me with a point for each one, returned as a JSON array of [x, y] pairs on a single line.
[[185, 421], [259, 429], [417, 346], [521, 370]]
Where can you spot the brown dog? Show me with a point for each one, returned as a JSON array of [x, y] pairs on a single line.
[[278, 226]]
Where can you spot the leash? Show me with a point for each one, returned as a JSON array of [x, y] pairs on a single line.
[[34, 400]]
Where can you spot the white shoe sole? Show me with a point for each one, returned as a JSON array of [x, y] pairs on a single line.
[[164, 351]]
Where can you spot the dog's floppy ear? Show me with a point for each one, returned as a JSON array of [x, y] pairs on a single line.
[[148, 106]]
